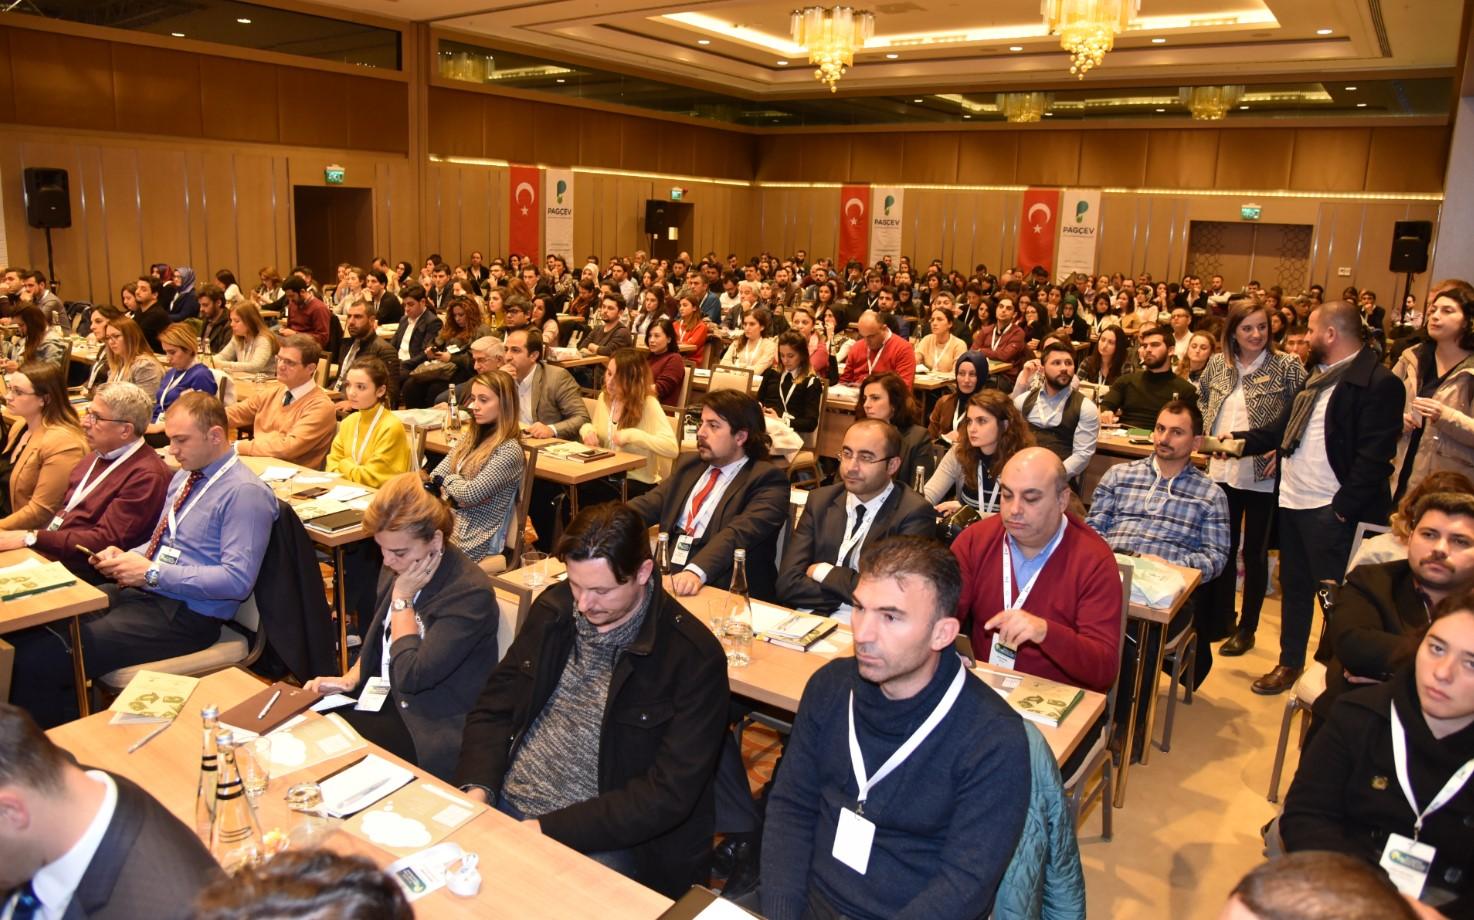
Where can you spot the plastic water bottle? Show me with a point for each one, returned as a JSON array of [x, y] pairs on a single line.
[[737, 624]]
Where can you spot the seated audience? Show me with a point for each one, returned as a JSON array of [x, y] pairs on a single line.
[[939, 349], [214, 319], [1135, 399], [970, 373], [482, 474], [1316, 885], [932, 834], [293, 418], [432, 642], [449, 357], [667, 370], [791, 391], [1004, 341], [183, 373], [1200, 350], [1392, 545], [306, 883], [87, 843], [305, 313], [252, 348], [628, 417], [416, 332], [1370, 779], [1062, 418], [754, 349], [43, 449], [371, 445], [878, 351], [363, 341], [1108, 360], [840, 522], [174, 591], [487, 354], [612, 334], [887, 397], [691, 329], [149, 312], [40, 343], [801, 320], [1438, 378], [725, 496], [968, 473], [186, 304], [549, 405], [111, 499], [387, 308], [633, 793]]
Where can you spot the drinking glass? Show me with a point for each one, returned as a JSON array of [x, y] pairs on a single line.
[[537, 568], [313, 822], [254, 760]]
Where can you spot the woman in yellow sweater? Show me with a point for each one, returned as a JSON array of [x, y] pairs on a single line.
[[371, 445], [628, 417]]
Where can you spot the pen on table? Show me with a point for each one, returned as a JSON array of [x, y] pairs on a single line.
[[269, 703], [149, 737], [351, 763]]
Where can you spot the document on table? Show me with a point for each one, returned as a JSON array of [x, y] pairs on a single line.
[[278, 473], [361, 786]]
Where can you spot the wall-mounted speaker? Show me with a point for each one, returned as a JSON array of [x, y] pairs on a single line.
[[1410, 239], [48, 198], [657, 217]]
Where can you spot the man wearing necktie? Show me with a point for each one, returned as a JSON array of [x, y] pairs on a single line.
[[293, 419]]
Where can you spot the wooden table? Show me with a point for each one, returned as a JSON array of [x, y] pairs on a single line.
[[582, 360], [570, 473], [67, 603], [333, 542], [526, 874], [776, 676], [1144, 620]]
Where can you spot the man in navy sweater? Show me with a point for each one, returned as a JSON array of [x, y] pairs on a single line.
[[927, 824]]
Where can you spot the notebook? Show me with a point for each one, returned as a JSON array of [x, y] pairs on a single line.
[[247, 715]]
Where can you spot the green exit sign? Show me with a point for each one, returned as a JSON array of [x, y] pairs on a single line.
[[333, 174], [1249, 211]]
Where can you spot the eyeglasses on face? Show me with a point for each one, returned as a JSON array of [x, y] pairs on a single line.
[[863, 456]]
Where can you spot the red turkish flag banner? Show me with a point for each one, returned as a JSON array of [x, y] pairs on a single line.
[[854, 224], [1038, 228], [524, 212]]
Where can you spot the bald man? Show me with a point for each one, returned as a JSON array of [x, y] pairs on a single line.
[[878, 350]]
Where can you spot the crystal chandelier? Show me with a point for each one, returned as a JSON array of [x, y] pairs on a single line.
[[1024, 108], [1087, 28], [1210, 103], [830, 36]]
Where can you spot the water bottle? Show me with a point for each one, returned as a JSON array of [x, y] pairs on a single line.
[[918, 482], [737, 623], [204, 799], [235, 840]]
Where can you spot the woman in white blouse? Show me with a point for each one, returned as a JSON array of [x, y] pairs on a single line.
[[753, 349], [940, 349], [252, 347]]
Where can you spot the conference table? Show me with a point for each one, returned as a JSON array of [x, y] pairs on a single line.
[[68, 603], [525, 874], [563, 472]]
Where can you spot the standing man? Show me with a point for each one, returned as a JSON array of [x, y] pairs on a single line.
[[1062, 418], [878, 350], [905, 780], [840, 522], [305, 313], [292, 419], [1335, 464]]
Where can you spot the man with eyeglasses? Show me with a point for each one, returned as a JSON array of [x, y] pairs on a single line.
[[115, 495], [293, 419], [839, 522]]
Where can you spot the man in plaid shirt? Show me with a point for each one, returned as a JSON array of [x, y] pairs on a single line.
[[1163, 507]]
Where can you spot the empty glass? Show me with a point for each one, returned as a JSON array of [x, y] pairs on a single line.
[[537, 568], [254, 760]]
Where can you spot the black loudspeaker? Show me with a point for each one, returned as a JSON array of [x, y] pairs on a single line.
[[1410, 239], [657, 217], [48, 198]]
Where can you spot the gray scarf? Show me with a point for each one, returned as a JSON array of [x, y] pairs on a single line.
[[1305, 404]]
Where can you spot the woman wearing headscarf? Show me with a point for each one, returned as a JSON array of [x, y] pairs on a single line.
[[186, 305]]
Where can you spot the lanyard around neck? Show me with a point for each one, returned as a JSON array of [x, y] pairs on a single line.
[[88, 485], [1023, 595], [907, 748], [1450, 789], [360, 447]]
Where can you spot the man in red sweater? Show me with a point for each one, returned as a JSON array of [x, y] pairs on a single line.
[[877, 351], [1057, 607], [305, 313], [115, 494]]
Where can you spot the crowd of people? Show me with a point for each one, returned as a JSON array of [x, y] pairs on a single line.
[[1273, 423]]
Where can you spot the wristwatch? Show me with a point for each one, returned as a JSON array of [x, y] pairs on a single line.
[[399, 604], [151, 577], [30, 538]]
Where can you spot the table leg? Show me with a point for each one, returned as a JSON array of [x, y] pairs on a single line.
[[340, 607], [624, 487], [1130, 739], [1151, 700], [572, 502], [79, 667]]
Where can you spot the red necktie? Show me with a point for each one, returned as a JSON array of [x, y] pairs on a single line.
[[158, 537], [696, 502]]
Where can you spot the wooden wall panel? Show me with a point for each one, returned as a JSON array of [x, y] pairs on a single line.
[[153, 85], [1119, 214], [1049, 158], [123, 242], [817, 158], [876, 158], [310, 108], [1181, 159], [1330, 159], [256, 239], [929, 158], [638, 144], [1408, 159], [987, 158], [7, 85], [62, 80], [238, 100], [1254, 160], [1113, 158]]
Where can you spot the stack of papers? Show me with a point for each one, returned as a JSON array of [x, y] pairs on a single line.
[[278, 473], [1152, 583], [362, 785], [415, 817], [152, 696]]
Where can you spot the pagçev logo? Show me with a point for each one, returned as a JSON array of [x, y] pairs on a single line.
[[560, 212], [887, 222], [890, 201], [1081, 207], [562, 188], [1068, 230]]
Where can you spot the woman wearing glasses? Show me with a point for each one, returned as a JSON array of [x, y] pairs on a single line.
[[42, 450]]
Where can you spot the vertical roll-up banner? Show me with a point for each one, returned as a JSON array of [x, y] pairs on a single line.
[[1037, 229], [1079, 229], [854, 224], [558, 212], [885, 224], [524, 212]]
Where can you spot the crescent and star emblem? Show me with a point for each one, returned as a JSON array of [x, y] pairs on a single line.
[[1048, 215], [531, 196], [854, 221]]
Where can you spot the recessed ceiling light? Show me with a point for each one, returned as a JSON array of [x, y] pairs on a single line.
[[892, 56], [1159, 41], [1161, 110], [1015, 47], [1048, 114], [967, 116], [916, 100], [177, 34], [782, 63], [1324, 31], [244, 21], [703, 41], [1243, 108], [1350, 89], [561, 80], [1361, 105]]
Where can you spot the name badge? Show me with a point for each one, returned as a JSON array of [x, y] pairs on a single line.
[[1407, 863], [375, 692], [168, 555], [452, 349], [682, 551], [55, 524], [1262, 378], [853, 837], [1001, 656]]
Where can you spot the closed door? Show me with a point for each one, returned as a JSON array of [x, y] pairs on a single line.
[[1272, 254]]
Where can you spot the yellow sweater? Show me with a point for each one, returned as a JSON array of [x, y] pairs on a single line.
[[370, 457], [654, 437]]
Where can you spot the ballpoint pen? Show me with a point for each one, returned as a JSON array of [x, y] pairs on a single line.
[[269, 703], [149, 737]]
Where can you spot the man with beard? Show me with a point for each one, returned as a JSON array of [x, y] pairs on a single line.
[[1062, 418], [1135, 399]]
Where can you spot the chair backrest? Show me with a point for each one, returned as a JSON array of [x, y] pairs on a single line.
[[322, 371], [512, 609], [1363, 532], [811, 438], [683, 397], [730, 378], [524, 501], [1126, 572], [417, 435], [224, 386], [66, 357], [588, 406]]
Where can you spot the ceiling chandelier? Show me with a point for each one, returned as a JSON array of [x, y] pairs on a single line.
[[1210, 103], [1024, 108], [1087, 28], [831, 36]]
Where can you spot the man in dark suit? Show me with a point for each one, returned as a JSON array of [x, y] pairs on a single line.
[[726, 496], [416, 331], [822, 560], [363, 340], [387, 307], [87, 844], [439, 294]]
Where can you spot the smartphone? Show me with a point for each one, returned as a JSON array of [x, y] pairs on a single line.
[[313, 492], [1143, 441]]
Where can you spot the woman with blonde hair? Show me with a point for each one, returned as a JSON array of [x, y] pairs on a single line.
[[371, 444], [128, 357], [968, 474], [1200, 347], [628, 417], [185, 372], [44, 449], [252, 347], [481, 474], [433, 636]]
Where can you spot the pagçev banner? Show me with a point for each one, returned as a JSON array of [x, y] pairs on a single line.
[[854, 224], [1079, 230], [558, 212], [1036, 229], [885, 225], [524, 216]]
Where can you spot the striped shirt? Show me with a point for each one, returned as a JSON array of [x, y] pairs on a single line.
[[1183, 519]]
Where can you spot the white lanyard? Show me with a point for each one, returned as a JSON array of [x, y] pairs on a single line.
[[848, 546], [196, 496], [613, 414], [959, 413], [998, 335], [907, 748], [359, 448], [87, 484], [793, 385], [992, 504], [870, 362], [1023, 595], [173, 384], [1399, 758]]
